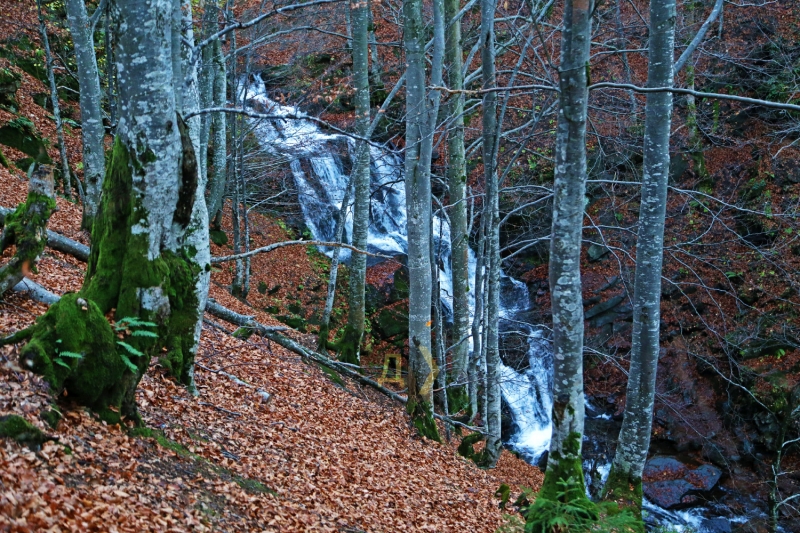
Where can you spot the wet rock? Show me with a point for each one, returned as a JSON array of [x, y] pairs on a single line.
[[670, 494], [603, 307], [717, 525], [672, 484]]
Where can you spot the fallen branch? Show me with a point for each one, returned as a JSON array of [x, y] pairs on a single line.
[[275, 246], [270, 333], [36, 292]]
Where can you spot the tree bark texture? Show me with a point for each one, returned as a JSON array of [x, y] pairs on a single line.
[[492, 214], [62, 147], [350, 348], [457, 186], [634, 437], [143, 262], [564, 459], [92, 130], [418, 209]]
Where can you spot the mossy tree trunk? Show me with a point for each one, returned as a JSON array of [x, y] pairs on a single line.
[[140, 295], [26, 228], [564, 459]]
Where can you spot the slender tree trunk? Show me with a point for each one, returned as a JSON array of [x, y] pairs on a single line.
[[492, 214], [219, 128], [350, 347], [457, 186], [140, 263], [325, 322], [92, 130], [564, 459], [625, 479], [419, 143], [111, 91], [475, 367], [65, 173]]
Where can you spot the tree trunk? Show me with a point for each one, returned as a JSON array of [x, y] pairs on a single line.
[[26, 229], [476, 367], [65, 173], [92, 130], [143, 259], [419, 143], [625, 479], [457, 186], [492, 214], [324, 327], [219, 128], [350, 346], [564, 459]]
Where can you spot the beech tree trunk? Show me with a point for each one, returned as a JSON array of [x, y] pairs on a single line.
[[350, 347], [92, 130], [144, 258], [457, 186], [564, 459], [419, 143], [62, 148], [625, 479], [491, 211]]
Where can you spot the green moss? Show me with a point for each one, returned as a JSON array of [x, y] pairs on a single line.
[[563, 466], [624, 490], [349, 346], [421, 414], [458, 399], [3, 160], [17, 428], [26, 227], [51, 417], [466, 448], [218, 237], [21, 134], [77, 325]]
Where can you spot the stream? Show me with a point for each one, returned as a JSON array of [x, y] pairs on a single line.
[[319, 163]]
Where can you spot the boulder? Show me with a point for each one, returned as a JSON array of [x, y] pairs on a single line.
[[671, 484]]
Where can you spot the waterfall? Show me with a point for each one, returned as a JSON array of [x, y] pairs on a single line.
[[318, 161]]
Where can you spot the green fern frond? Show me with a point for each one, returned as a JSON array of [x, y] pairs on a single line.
[[133, 368], [130, 349]]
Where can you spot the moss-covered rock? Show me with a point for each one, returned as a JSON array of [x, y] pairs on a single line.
[[21, 134], [17, 428], [10, 83]]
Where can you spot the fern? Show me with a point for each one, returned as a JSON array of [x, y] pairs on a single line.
[[72, 355], [143, 333], [133, 368], [133, 322], [130, 349], [62, 363]]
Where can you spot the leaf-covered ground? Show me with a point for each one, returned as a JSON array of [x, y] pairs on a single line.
[[315, 457]]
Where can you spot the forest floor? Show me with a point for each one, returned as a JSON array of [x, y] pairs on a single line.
[[318, 456]]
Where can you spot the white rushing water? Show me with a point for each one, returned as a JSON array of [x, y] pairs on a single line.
[[318, 161]]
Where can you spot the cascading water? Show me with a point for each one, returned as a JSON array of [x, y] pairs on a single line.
[[318, 161]]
